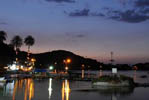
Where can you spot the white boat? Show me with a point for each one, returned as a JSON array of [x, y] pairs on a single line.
[[2, 80]]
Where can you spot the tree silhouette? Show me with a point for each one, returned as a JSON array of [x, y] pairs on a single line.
[[3, 36], [17, 42], [29, 41]]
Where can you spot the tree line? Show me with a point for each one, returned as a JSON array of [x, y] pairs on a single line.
[[17, 41], [10, 52]]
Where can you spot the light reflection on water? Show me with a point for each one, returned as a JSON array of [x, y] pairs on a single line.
[[135, 76], [8, 89], [26, 86], [50, 88], [65, 90], [55, 89], [28, 91]]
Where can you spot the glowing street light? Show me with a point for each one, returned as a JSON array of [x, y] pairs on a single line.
[[33, 59], [51, 67], [83, 66], [67, 61], [66, 68]]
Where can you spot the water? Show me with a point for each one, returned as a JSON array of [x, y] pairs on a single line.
[[54, 89]]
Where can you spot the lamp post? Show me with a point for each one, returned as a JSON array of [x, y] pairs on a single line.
[[100, 71], [135, 73], [88, 71], [82, 70], [55, 71], [33, 61], [67, 61]]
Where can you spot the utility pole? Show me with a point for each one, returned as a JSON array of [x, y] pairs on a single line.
[[112, 60], [114, 70]]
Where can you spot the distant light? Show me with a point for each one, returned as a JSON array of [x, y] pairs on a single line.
[[13, 67], [66, 68], [55, 63], [83, 66], [135, 68], [5, 67], [68, 60], [21, 66], [33, 60], [51, 67]]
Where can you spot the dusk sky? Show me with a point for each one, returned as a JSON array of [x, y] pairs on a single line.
[[91, 28]]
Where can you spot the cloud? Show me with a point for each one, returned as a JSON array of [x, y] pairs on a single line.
[[80, 35], [84, 12], [97, 14], [76, 35], [133, 17], [130, 16], [138, 12], [61, 1], [3, 23], [142, 3], [145, 11]]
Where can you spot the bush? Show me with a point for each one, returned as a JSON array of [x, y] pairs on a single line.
[[114, 79]]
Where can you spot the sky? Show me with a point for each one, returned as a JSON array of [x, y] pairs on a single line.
[[90, 28]]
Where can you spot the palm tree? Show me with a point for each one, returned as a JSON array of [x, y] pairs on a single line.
[[29, 41], [17, 42], [3, 36]]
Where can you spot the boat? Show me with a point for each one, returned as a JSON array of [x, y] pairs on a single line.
[[2, 80]]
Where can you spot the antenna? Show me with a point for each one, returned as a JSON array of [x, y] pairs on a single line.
[[112, 60]]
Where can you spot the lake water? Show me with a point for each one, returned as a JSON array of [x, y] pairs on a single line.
[[55, 89]]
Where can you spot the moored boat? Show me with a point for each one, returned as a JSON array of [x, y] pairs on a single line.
[[2, 80]]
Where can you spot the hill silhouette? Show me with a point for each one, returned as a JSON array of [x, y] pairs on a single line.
[[44, 60], [56, 58]]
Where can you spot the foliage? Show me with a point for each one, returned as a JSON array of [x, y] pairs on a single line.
[[6, 55], [114, 79], [17, 41], [3, 36], [29, 41]]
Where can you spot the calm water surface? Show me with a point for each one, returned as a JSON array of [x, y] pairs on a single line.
[[52, 89]]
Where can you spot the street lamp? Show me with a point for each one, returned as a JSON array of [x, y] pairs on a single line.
[[100, 71], [51, 68], [67, 61], [83, 70], [33, 60]]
